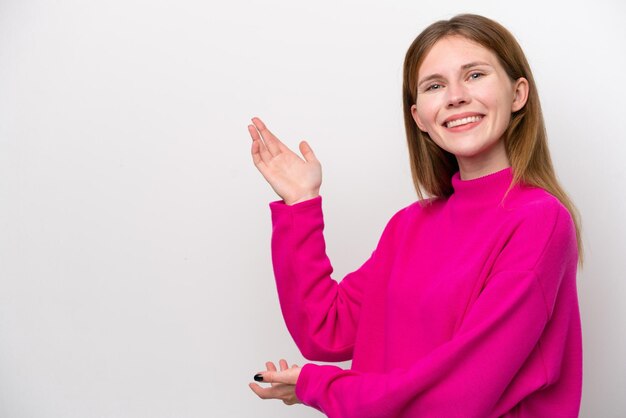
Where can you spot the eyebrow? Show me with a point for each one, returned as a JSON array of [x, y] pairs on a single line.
[[463, 67]]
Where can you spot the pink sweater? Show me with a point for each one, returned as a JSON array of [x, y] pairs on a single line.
[[467, 308]]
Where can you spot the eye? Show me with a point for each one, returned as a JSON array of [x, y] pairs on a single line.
[[475, 75], [434, 86]]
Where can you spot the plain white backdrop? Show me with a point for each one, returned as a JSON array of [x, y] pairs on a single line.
[[135, 275]]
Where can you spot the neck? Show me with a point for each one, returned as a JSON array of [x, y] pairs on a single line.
[[485, 163], [472, 173]]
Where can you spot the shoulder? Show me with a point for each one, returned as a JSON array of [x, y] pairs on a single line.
[[540, 230], [536, 210]]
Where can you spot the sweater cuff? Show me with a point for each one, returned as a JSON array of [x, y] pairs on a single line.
[[313, 383], [305, 386]]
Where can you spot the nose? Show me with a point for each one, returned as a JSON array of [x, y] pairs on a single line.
[[457, 95]]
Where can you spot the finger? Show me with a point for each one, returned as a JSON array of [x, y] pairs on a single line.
[[273, 144], [256, 153], [259, 150], [254, 133], [288, 376], [282, 392], [272, 368], [283, 364], [307, 152], [261, 392]]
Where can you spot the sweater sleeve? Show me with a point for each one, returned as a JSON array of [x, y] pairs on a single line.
[[321, 314], [466, 376]]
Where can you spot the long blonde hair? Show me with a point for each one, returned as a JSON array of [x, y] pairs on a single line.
[[525, 138]]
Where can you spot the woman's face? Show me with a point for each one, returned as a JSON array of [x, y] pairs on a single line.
[[464, 103]]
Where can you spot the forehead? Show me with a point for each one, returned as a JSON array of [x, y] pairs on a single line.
[[451, 53]]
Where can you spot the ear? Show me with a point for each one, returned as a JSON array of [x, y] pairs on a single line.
[[417, 119], [520, 94]]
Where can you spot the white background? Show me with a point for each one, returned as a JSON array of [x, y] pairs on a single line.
[[135, 276]]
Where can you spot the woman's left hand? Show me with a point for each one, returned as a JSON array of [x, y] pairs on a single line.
[[282, 383]]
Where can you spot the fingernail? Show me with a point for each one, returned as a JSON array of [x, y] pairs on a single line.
[[258, 377]]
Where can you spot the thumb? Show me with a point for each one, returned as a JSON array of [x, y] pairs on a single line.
[[307, 152]]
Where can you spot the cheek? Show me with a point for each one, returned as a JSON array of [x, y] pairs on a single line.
[[503, 106], [426, 113]]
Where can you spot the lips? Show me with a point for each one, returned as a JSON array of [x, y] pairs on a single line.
[[462, 119]]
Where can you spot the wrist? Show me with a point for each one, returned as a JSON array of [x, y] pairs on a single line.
[[301, 199]]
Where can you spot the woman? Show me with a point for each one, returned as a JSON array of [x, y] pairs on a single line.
[[468, 305]]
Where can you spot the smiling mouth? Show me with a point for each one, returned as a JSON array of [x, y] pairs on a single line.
[[462, 121]]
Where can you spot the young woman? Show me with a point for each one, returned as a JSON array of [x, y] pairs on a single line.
[[468, 305]]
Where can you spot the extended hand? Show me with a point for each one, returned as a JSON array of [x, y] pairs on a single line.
[[283, 383], [294, 179]]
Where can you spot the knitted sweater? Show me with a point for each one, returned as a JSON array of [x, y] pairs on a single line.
[[467, 308]]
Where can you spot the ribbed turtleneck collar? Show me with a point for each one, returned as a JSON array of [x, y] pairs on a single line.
[[481, 190]]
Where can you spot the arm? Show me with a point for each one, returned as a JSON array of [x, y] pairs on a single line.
[[321, 314], [467, 376]]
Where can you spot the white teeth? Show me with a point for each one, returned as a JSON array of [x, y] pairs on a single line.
[[463, 121]]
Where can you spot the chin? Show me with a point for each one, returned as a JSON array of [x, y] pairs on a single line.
[[466, 152]]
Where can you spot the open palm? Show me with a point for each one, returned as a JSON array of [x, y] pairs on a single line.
[[293, 178]]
